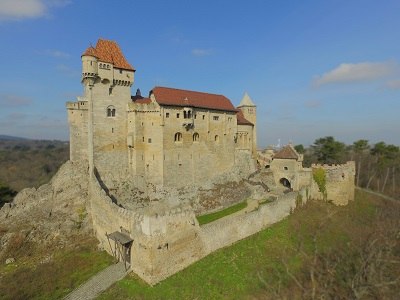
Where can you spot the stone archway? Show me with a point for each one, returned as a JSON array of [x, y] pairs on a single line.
[[285, 182]]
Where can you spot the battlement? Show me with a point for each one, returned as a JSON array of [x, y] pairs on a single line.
[[80, 105], [348, 166]]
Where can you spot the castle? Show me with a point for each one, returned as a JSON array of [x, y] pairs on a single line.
[[171, 138], [160, 145]]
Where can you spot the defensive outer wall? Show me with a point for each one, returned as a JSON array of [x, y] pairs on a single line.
[[166, 243]]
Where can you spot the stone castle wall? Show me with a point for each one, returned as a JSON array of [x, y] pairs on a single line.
[[339, 183], [166, 243], [78, 129]]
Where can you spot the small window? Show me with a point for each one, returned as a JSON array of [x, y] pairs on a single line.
[[196, 137], [110, 111], [120, 71], [110, 91], [143, 139], [285, 168], [216, 138], [178, 137], [167, 115], [149, 141], [204, 116], [177, 116], [216, 118]]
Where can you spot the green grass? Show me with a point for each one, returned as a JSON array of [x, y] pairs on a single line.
[[266, 262], [54, 279], [204, 219]]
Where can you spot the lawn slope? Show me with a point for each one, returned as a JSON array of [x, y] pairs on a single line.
[[319, 251]]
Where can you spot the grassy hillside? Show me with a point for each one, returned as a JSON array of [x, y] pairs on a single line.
[[30, 163], [320, 251]]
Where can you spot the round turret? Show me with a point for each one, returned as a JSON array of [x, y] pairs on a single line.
[[89, 63]]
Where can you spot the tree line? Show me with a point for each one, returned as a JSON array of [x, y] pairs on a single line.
[[377, 165]]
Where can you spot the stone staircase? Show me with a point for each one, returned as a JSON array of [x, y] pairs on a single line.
[[250, 181], [99, 283]]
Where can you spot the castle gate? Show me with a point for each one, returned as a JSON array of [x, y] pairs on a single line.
[[285, 182], [122, 246]]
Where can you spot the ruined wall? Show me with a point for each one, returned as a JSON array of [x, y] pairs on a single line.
[[339, 183]]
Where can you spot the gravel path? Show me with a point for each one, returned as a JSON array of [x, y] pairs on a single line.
[[98, 283]]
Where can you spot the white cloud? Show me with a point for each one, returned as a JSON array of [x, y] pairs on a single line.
[[14, 100], [201, 52], [393, 84], [365, 71], [11, 10], [56, 53]]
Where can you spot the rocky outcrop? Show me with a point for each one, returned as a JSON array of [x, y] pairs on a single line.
[[50, 214]]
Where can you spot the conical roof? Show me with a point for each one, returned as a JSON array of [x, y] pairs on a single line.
[[246, 101]]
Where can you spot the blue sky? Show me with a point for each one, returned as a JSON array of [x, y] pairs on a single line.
[[314, 68]]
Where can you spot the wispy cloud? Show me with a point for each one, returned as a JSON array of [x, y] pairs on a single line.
[[352, 72], [312, 103], [56, 53], [201, 52], [7, 100], [393, 84], [12, 10], [68, 71]]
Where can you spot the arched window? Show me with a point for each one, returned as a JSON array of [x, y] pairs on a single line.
[[196, 137], [111, 111], [216, 138], [178, 137]]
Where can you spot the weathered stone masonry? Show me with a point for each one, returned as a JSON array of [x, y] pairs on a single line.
[[173, 139]]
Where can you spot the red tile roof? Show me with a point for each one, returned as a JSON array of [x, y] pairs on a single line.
[[109, 52], [241, 120], [287, 152], [177, 97]]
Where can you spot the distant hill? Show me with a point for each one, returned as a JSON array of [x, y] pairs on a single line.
[[4, 137], [27, 163]]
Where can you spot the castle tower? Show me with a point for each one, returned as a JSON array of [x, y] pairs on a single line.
[[107, 78], [249, 110]]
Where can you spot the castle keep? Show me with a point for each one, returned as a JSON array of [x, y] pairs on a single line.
[[155, 163], [171, 138]]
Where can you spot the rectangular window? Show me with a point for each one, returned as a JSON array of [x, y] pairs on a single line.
[[204, 116], [149, 141], [177, 116], [216, 118], [167, 115], [120, 71]]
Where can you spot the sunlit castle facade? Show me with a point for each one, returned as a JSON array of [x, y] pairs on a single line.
[[171, 138]]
